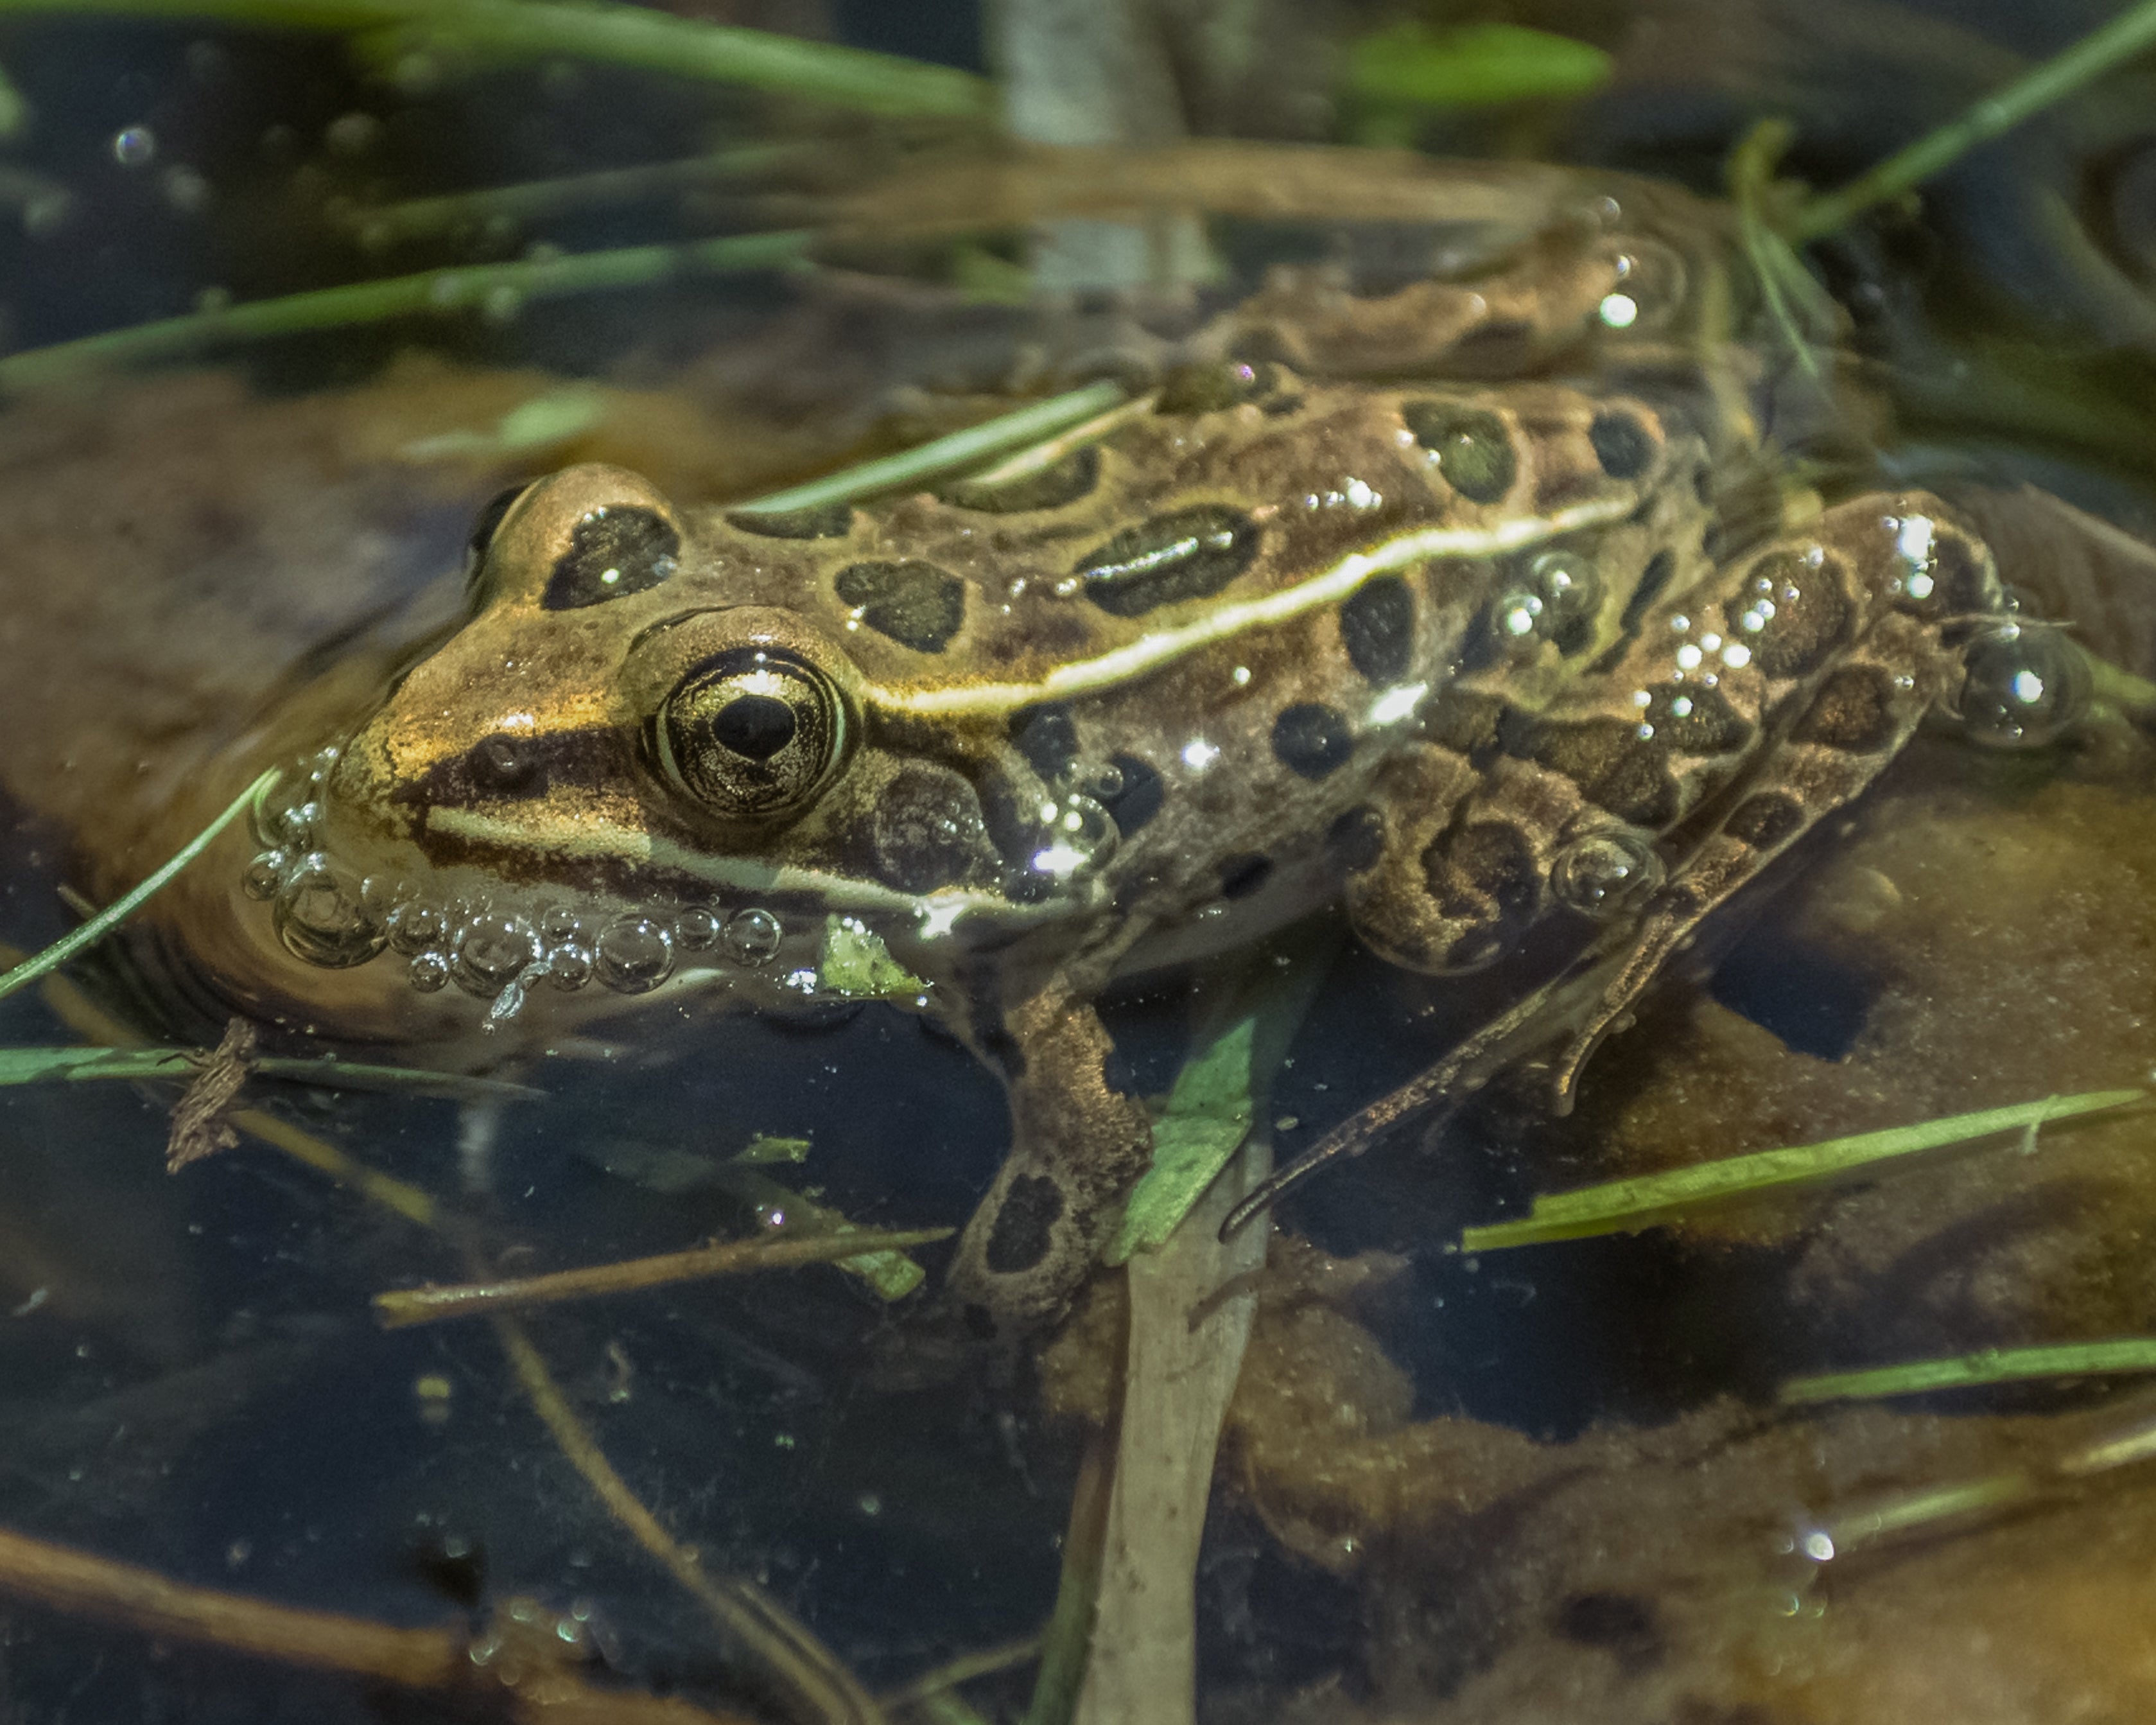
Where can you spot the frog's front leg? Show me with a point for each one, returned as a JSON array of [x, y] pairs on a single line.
[[1077, 1144]]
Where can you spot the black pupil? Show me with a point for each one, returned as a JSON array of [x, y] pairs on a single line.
[[757, 726]]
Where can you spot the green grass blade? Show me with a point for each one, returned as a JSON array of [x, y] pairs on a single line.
[[650, 40], [1990, 1365], [1412, 65], [2131, 32], [945, 455], [30, 1066], [107, 920], [1208, 1117], [473, 287], [1620, 1206]]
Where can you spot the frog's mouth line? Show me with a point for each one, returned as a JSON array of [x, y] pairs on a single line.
[[738, 920]]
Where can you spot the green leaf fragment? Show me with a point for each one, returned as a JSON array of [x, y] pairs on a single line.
[[857, 962], [1623, 1206], [1208, 1117], [763, 1148], [1411, 64], [1990, 1365], [553, 417]]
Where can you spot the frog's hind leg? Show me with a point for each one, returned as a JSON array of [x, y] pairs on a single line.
[[1735, 719], [1077, 1144]]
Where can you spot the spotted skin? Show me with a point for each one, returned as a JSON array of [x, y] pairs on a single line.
[[1261, 644]]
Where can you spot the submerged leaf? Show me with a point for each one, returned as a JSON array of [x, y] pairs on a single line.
[[1206, 1120]]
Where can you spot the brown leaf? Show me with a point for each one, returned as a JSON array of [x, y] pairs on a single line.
[[199, 1125]]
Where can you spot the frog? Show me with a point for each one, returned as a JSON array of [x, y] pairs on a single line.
[[1502, 642]]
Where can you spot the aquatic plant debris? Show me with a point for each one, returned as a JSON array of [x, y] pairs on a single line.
[[1471, 66], [401, 1306], [1990, 1365], [643, 37], [75, 1065], [482, 288], [109, 919], [202, 1124], [942, 454], [857, 962], [2129, 35], [1207, 1116], [1626, 1205]]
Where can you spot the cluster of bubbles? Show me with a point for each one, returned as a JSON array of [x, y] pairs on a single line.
[[1556, 590], [327, 916], [2024, 684]]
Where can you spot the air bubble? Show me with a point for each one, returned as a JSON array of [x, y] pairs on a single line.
[[492, 952], [319, 917], [752, 936], [2024, 685], [1605, 873], [1569, 587], [414, 927], [696, 930], [557, 922], [297, 823], [633, 955], [427, 972], [569, 966], [135, 146], [265, 874], [1519, 617]]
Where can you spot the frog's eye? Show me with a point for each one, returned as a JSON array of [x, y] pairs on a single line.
[[750, 734]]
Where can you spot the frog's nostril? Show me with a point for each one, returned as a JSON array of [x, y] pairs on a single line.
[[757, 726]]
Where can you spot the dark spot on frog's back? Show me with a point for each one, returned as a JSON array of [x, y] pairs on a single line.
[[1626, 1624], [1054, 487], [1694, 719], [1473, 447], [1025, 1226], [1613, 767], [1623, 445], [612, 552], [820, 521], [1377, 627], [1765, 819], [1853, 711], [1184, 554], [914, 603], [1243, 873], [928, 830], [1137, 796], [1312, 740], [1791, 612], [1047, 737]]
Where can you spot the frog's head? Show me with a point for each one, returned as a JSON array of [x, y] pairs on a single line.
[[647, 755]]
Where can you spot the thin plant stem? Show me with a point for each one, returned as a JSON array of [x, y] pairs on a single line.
[[107, 920], [531, 200], [650, 40], [2096, 54], [794, 1658], [945, 455], [486, 288], [401, 1307]]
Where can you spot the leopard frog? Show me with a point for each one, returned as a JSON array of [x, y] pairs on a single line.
[[1468, 654]]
